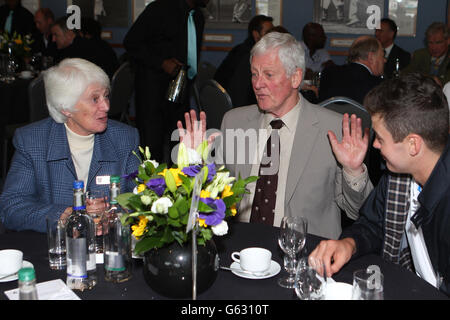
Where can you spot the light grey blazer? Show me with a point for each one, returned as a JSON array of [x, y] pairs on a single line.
[[315, 188]]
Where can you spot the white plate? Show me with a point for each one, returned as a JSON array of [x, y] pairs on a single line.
[[25, 264], [338, 291], [273, 270]]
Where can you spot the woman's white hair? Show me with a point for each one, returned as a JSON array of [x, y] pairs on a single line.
[[291, 52], [66, 82]]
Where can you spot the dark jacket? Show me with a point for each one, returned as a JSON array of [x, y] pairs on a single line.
[[403, 56], [39, 45], [91, 50], [22, 22], [433, 216], [351, 80], [421, 62], [235, 76]]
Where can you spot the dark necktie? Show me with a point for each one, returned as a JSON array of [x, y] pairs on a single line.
[[263, 207]]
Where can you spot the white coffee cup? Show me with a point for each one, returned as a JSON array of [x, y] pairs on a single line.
[[253, 259], [10, 261]]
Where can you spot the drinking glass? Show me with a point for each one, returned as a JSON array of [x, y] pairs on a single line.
[[56, 237], [291, 239], [307, 284], [368, 284], [96, 204]]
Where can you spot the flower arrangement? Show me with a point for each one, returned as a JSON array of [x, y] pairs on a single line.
[[20, 45], [161, 201]]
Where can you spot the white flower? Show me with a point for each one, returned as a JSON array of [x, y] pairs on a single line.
[[220, 229], [220, 181], [146, 200], [155, 163], [162, 205]]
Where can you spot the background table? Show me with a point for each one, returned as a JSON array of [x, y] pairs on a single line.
[[398, 282]]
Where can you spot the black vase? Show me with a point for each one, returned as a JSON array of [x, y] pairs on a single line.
[[168, 270]]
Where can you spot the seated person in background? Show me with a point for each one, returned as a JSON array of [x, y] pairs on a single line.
[[355, 79], [314, 180], [77, 142], [15, 18], [43, 44], [316, 57], [92, 30], [71, 45], [434, 59], [386, 35], [234, 72], [406, 219]]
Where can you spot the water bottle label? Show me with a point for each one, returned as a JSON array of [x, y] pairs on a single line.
[[76, 258], [114, 261], [79, 208]]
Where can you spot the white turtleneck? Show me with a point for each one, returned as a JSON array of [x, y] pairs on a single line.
[[81, 148]]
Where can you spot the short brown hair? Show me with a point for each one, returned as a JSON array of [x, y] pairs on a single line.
[[412, 103]]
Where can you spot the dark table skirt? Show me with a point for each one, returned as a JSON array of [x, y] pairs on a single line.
[[398, 283]]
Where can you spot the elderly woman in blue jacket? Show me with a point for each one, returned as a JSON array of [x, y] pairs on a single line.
[[78, 142]]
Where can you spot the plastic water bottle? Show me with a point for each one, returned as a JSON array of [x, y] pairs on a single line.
[[116, 239], [80, 244], [27, 284]]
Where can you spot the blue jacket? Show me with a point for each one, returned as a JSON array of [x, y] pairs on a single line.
[[40, 180], [433, 216]]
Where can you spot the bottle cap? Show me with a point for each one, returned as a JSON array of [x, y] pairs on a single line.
[[27, 274], [114, 179], [78, 184]]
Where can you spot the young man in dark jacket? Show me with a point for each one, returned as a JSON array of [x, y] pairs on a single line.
[[406, 218]]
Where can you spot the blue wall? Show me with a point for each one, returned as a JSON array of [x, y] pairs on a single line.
[[296, 13]]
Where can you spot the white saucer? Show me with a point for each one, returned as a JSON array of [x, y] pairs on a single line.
[[25, 76], [25, 264], [273, 270]]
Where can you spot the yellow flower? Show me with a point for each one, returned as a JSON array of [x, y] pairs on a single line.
[[201, 223], [175, 173], [226, 191], [205, 194], [18, 41], [141, 188], [138, 230], [233, 210]]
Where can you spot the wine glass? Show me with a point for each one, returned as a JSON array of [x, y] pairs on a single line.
[[291, 239]]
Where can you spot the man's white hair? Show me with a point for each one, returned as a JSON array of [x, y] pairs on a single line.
[[291, 52], [66, 82]]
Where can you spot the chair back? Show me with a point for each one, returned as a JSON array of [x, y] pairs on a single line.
[[346, 105], [37, 99], [205, 72], [215, 101], [122, 88]]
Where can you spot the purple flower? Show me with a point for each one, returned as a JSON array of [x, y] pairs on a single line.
[[158, 185], [131, 175], [215, 217], [192, 171]]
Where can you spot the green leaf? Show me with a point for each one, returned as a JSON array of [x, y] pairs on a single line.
[[170, 182], [146, 244], [203, 207], [173, 212], [124, 198], [182, 205]]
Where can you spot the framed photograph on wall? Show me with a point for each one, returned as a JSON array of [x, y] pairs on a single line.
[[271, 8], [404, 13], [31, 5], [345, 16], [228, 14]]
